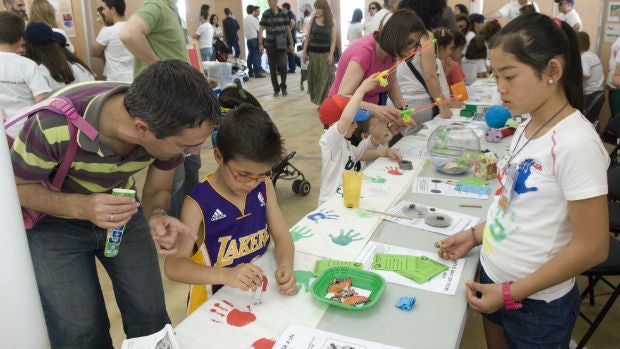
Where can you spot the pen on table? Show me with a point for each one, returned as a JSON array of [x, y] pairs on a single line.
[[388, 214], [470, 205], [257, 296]]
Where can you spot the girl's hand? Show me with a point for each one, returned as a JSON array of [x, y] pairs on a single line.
[[330, 60], [491, 297], [444, 111], [285, 277], [455, 246], [305, 57], [245, 276]]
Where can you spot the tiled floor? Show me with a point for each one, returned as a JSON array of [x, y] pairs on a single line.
[[297, 120]]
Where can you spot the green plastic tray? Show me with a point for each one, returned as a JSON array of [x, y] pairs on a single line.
[[360, 278]]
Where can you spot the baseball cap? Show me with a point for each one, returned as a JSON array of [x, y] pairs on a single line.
[[60, 39], [572, 2], [39, 33], [332, 107]]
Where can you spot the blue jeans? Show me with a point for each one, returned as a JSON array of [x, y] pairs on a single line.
[[206, 53], [538, 324], [235, 45], [254, 57], [63, 254]]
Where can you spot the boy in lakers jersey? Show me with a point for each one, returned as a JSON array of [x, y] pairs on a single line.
[[235, 213]]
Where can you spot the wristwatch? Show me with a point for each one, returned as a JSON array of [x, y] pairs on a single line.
[[509, 302]]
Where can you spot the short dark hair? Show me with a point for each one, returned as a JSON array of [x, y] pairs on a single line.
[[12, 27], [171, 96], [287, 6], [118, 5], [357, 16], [443, 36], [459, 38], [476, 49], [248, 132], [462, 8], [250, 9], [204, 11], [476, 18], [583, 41], [227, 11], [395, 33]]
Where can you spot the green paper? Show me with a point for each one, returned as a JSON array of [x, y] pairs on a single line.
[[419, 269], [322, 264], [473, 181]]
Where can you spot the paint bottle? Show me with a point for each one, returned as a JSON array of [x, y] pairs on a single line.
[[114, 236]]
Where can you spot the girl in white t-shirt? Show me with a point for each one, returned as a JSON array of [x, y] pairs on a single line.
[[548, 222], [474, 63]]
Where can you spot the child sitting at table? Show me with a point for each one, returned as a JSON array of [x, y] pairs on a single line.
[[337, 152], [235, 212]]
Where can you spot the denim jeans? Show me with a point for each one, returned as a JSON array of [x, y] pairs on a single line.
[[63, 254], [538, 324], [254, 57], [206, 53], [235, 45]]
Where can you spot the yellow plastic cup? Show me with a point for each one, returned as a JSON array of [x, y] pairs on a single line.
[[352, 188]]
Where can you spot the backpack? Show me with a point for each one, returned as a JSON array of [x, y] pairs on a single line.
[[62, 105]]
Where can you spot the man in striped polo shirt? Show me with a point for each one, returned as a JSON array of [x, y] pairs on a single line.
[[278, 41], [166, 113]]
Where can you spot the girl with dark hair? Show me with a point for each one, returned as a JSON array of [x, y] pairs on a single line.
[[461, 9], [527, 292], [375, 53], [356, 27]]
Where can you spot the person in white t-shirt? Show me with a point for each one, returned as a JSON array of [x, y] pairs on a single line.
[[21, 83], [356, 27], [613, 96], [568, 14], [474, 62], [118, 60], [593, 77], [382, 16], [204, 34], [251, 27], [337, 153], [511, 9], [548, 221]]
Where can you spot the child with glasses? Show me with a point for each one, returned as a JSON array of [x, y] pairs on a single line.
[[235, 213]]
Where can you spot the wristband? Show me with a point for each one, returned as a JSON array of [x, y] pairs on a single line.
[[509, 302], [473, 235], [160, 211]]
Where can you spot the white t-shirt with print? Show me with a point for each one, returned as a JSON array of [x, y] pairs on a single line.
[[337, 155], [118, 60], [567, 163], [511, 9], [20, 82], [593, 68]]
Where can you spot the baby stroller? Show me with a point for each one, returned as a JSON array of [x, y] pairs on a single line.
[[233, 96], [239, 67]]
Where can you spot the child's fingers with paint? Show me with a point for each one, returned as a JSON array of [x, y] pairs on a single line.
[[246, 276], [286, 281]]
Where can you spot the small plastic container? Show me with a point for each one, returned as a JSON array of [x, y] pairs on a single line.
[[221, 71], [360, 279]]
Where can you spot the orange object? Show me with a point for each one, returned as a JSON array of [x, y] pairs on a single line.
[[459, 90]]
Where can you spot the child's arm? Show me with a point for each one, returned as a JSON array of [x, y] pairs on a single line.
[[348, 114], [284, 246], [180, 268], [372, 154]]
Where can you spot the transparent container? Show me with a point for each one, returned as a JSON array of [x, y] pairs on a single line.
[[453, 149]]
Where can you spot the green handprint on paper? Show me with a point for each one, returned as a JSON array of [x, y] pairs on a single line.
[[298, 233], [344, 239], [363, 214], [303, 279], [377, 179]]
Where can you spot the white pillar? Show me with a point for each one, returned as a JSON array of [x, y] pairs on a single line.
[[22, 324], [476, 6]]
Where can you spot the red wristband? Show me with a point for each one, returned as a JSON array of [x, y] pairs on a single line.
[[509, 302]]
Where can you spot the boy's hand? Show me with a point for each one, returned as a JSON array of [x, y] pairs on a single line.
[[286, 281], [165, 231], [369, 84], [245, 276], [392, 154]]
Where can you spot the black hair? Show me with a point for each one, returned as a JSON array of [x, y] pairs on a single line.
[[171, 96], [12, 27], [287, 6], [443, 36], [357, 16], [376, 4], [395, 33], [227, 11], [459, 38], [476, 49], [464, 18], [476, 18], [462, 8], [307, 13], [118, 5], [250, 9], [527, 9], [535, 39], [248, 132], [429, 11], [583, 41], [212, 17], [204, 11]]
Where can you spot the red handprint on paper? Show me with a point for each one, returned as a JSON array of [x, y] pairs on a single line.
[[234, 316], [393, 170], [263, 343]]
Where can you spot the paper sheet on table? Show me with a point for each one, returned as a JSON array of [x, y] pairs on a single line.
[[164, 339], [296, 336], [441, 186], [420, 269], [228, 320], [459, 222], [444, 283]]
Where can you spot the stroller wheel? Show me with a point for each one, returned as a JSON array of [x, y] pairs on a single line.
[[297, 186], [304, 188]]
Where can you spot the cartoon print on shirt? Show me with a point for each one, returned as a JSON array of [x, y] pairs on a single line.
[[524, 172], [353, 166]]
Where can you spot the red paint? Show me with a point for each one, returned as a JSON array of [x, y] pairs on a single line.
[[264, 283], [236, 317], [263, 343]]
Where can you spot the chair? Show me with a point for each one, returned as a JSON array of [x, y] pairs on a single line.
[[593, 108], [611, 266]]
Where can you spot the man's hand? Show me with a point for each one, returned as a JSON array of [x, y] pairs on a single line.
[[108, 211], [165, 231]]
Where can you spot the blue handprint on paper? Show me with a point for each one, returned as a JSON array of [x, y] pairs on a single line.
[[344, 239], [322, 214], [300, 232], [525, 169]]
